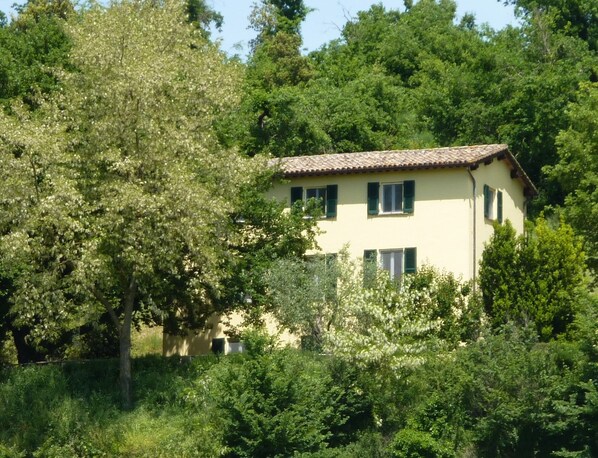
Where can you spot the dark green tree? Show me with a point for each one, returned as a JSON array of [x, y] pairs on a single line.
[[538, 277], [577, 169], [33, 48], [578, 18]]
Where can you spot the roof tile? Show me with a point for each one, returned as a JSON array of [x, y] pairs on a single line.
[[370, 161]]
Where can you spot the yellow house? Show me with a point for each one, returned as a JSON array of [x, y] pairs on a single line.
[[402, 208]]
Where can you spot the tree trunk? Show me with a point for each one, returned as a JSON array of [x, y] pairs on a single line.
[[125, 377], [25, 353], [126, 389]]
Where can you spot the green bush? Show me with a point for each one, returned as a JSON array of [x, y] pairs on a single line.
[[280, 402], [409, 443], [508, 395], [536, 277]]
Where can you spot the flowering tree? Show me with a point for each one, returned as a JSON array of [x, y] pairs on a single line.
[[123, 195], [381, 323], [393, 325]]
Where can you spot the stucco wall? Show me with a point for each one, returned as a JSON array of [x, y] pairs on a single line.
[[200, 342], [497, 175], [438, 227], [441, 226]]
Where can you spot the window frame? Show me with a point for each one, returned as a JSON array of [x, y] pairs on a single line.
[[493, 204], [392, 270], [393, 196], [323, 198], [375, 257], [329, 199]]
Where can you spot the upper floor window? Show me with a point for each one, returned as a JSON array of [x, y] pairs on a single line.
[[492, 204], [326, 195], [391, 198], [318, 194]]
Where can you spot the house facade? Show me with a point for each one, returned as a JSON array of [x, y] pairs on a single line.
[[400, 209], [412, 207]]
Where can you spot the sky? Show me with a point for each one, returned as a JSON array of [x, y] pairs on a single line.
[[327, 19], [329, 16]]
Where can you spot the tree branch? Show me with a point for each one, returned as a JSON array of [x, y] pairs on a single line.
[[108, 306]]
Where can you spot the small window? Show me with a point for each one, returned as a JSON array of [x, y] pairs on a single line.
[[325, 272], [396, 262], [218, 345], [392, 262], [319, 194], [327, 196], [493, 203]]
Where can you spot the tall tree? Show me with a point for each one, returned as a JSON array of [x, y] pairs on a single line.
[[577, 169], [578, 18], [146, 192], [535, 277], [32, 47]]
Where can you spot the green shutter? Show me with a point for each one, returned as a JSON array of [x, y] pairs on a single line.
[[373, 196], [408, 196], [331, 200], [486, 201], [410, 260], [499, 207], [370, 267], [296, 195]]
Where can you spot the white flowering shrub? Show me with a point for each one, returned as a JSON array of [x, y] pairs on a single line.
[[394, 325]]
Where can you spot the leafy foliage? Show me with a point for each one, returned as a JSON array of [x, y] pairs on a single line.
[[275, 403], [134, 214], [577, 169], [538, 276], [395, 327]]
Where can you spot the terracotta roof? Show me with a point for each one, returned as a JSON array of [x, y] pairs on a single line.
[[381, 161]]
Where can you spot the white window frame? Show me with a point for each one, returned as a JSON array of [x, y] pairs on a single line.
[[319, 190], [393, 259], [492, 202], [382, 199]]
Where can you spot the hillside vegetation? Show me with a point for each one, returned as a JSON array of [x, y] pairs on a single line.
[[133, 167]]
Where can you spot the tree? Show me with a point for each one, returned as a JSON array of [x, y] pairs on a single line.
[[140, 194], [577, 169], [32, 47], [537, 276], [303, 296], [280, 402], [264, 236], [274, 65], [577, 18], [393, 327]]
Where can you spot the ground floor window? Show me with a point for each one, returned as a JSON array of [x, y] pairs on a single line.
[[396, 262]]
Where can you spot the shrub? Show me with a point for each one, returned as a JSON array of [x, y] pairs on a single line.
[[279, 402], [409, 443], [534, 277]]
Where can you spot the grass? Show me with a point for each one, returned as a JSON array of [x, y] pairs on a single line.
[[147, 341]]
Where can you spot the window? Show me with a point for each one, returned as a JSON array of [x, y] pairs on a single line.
[[391, 198], [396, 262], [392, 262], [218, 345], [319, 194], [327, 194], [493, 204]]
